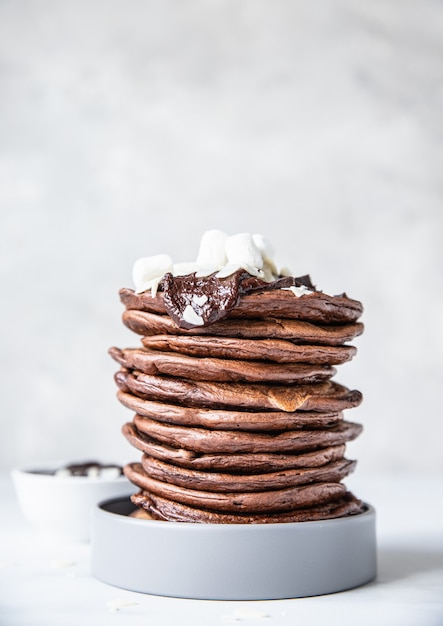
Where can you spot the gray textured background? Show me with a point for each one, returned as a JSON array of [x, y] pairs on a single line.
[[129, 128]]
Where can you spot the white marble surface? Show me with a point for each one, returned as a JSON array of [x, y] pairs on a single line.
[[47, 584], [129, 128]]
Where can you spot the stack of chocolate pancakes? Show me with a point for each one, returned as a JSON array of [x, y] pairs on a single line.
[[236, 414]]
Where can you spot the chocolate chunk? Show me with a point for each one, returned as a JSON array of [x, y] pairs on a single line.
[[251, 283]]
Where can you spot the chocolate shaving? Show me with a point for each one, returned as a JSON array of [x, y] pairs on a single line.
[[250, 283]]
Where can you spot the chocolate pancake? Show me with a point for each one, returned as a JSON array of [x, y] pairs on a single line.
[[274, 350], [219, 419], [313, 307], [219, 370], [238, 462], [326, 396], [225, 441], [168, 510], [144, 323], [242, 502], [233, 482]]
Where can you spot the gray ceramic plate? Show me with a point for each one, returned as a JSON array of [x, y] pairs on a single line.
[[231, 561]]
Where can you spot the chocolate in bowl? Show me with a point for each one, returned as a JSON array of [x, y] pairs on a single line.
[[87, 469]]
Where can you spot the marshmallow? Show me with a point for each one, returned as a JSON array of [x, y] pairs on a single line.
[[149, 270], [182, 269], [242, 250], [264, 246], [212, 251]]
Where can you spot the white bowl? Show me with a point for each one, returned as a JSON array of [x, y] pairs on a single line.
[[61, 506]]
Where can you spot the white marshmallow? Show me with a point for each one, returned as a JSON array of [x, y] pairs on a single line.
[[212, 249], [242, 250], [182, 269], [228, 270], [218, 254], [147, 271], [231, 268], [270, 272], [264, 246], [109, 473], [62, 473], [93, 472], [204, 272]]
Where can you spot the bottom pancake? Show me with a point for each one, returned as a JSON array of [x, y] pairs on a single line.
[[275, 501], [163, 509]]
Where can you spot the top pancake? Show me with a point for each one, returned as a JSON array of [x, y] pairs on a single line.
[[312, 307]]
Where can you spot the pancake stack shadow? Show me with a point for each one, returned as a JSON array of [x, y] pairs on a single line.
[[240, 421]]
